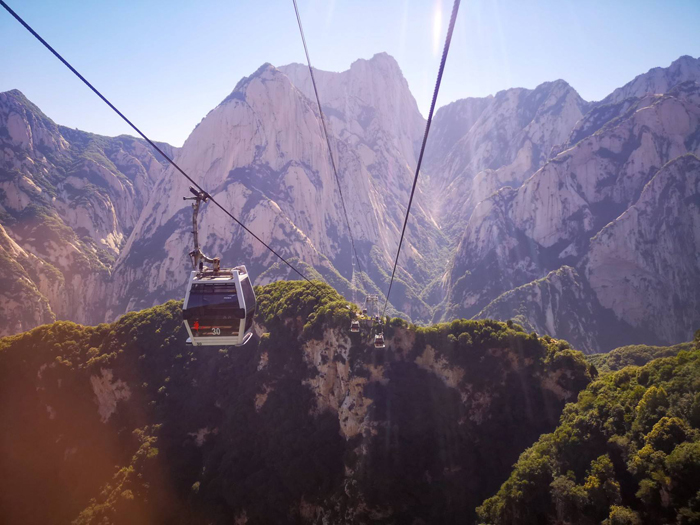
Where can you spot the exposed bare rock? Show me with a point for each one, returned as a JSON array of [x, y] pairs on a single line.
[[561, 305], [262, 154], [201, 435], [610, 169], [69, 199], [450, 124], [371, 101], [335, 387], [512, 137], [108, 392], [449, 374], [261, 397], [658, 80], [518, 236], [26, 282], [634, 95], [645, 265]]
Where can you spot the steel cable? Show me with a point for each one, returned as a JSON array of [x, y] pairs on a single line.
[[325, 132], [149, 141], [448, 39]]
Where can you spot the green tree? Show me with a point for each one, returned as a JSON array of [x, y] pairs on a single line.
[[601, 486], [568, 497], [651, 408], [622, 516], [667, 433]]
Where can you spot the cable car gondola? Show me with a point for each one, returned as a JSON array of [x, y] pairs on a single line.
[[379, 336], [379, 341], [355, 326], [219, 307], [220, 303]]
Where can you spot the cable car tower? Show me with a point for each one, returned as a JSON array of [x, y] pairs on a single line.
[[220, 302], [371, 307]]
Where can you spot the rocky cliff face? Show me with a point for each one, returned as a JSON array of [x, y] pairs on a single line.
[[634, 95], [450, 124], [505, 139], [645, 265], [25, 283], [516, 236], [559, 303], [68, 200], [657, 80], [261, 153], [514, 187], [370, 101], [307, 423]]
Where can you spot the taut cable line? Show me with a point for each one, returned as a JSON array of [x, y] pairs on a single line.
[[325, 132], [448, 39], [149, 141]]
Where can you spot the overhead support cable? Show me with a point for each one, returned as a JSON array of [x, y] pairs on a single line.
[[448, 39], [325, 132], [149, 141]]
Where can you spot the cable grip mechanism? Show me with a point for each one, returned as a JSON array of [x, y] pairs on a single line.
[[197, 256]]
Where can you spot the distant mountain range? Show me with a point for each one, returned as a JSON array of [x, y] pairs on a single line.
[[577, 219]]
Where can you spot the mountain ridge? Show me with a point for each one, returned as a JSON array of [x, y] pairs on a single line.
[[69, 199], [261, 150], [526, 232]]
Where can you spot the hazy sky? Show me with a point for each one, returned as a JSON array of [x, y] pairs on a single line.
[[165, 64]]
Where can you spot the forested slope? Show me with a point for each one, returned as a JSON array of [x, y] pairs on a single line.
[[123, 423], [627, 452], [633, 355]]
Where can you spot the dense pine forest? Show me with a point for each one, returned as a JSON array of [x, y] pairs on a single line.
[[124, 423], [627, 452]]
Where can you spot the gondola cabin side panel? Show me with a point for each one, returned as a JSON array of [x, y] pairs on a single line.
[[215, 311]]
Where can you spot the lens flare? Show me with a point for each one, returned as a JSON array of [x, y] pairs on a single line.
[[437, 26]]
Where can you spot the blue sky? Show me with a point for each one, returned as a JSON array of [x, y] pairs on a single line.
[[165, 64]]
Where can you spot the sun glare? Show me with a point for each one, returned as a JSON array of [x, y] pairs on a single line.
[[437, 26]]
